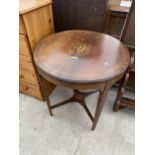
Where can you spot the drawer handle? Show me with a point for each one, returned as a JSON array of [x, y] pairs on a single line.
[[26, 88], [21, 76]]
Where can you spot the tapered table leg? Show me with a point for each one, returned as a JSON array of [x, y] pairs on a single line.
[[45, 93], [88, 112], [100, 104], [49, 106], [121, 89]]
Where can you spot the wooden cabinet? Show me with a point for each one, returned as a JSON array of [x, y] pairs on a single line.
[[116, 21], [35, 23]]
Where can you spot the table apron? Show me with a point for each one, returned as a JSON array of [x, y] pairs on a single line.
[[81, 86]]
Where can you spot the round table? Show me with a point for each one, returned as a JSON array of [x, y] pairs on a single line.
[[81, 60]]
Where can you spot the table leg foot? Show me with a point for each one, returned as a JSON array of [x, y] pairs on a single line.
[[100, 104], [49, 106]]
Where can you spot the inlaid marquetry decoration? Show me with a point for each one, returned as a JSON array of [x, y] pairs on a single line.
[[80, 48]]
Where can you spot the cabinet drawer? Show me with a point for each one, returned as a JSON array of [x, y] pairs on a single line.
[[28, 76], [24, 46], [30, 89], [25, 63], [22, 29]]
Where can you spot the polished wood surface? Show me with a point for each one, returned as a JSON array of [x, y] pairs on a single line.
[[81, 56], [29, 5], [35, 22]]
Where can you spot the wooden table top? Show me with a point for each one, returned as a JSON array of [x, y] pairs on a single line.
[[118, 8], [79, 56], [29, 5]]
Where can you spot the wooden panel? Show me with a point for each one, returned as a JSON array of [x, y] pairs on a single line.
[[29, 5], [25, 63], [22, 29], [114, 2], [28, 76], [128, 33], [115, 23], [30, 89], [39, 23], [24, 46], [82, 14]]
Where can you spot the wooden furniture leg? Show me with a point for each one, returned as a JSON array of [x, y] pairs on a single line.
[[45, 93], [117, 104], [100, 104]]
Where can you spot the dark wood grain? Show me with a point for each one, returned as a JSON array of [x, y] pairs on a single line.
[[80, 14]]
